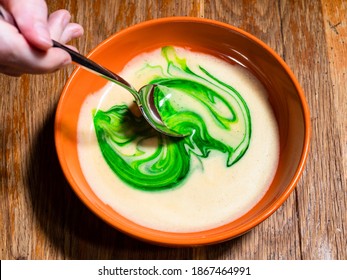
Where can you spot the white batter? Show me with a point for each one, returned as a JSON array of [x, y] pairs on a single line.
[[210, 197]]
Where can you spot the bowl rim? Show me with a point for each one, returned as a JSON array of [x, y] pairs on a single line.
[[181, 239]]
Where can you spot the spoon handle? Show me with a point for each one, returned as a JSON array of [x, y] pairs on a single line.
[[93, 66]]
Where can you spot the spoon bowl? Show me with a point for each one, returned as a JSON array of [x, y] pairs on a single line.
[[144, 98]]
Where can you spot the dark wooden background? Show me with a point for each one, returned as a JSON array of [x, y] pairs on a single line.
[[40, 216]]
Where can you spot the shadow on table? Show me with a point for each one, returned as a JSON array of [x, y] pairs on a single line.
[[73, 230]]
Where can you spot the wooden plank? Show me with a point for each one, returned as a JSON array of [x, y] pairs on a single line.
[[335, 28], [319, 193]]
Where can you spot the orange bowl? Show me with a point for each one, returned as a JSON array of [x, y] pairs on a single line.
[[212, 37]]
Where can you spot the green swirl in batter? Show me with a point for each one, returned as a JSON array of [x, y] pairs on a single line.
[[190, 101]]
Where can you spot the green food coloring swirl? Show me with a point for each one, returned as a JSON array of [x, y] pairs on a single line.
[[190, 101]]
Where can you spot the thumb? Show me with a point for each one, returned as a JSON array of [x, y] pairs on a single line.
[[31, 19]]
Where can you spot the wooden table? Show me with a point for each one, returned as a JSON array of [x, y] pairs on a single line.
[[41, 217]]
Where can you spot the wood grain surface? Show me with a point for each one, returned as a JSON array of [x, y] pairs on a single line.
[[41, 217]]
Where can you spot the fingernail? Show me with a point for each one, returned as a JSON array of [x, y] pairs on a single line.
[[66, 62], [66, 19]]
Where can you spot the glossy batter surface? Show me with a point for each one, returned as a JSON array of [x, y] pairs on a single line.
[[206, 179]]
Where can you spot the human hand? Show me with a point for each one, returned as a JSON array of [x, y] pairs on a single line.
[[25, 36]]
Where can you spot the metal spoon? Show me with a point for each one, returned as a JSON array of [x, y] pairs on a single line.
[[144, 97]]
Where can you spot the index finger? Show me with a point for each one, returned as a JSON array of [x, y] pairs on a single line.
[[31, 19]]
